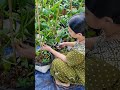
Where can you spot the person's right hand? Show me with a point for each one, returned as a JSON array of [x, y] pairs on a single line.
[[46, 47], [25, 50]]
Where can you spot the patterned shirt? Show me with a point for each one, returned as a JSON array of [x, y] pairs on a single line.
[[79, 47], [108, 50]]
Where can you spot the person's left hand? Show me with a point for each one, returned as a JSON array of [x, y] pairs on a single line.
[[46, 47]]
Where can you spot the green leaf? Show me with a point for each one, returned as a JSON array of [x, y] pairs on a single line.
[[3, 3], [7, 66], [24, 63], [44, 1], [56, 5], [22, 82], [45, 61]]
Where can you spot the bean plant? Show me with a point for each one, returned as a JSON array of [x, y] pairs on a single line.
[[19, 70], [51, 18]]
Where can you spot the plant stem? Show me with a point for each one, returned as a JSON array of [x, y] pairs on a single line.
[[38, 19], [57, 15], [71, 5], [81, 3], [1, 20], [11, 28]]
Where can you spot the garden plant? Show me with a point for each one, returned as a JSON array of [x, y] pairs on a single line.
[[51, 18], [16, 21]]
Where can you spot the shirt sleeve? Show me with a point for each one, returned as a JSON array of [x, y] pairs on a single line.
[[74, 58]]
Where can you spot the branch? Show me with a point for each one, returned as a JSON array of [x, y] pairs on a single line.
[[11, 27]]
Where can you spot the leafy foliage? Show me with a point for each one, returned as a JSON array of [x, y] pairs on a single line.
[[12, 67], [51, 20]]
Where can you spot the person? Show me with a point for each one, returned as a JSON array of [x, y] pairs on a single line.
[[103, 57], [69, 69]]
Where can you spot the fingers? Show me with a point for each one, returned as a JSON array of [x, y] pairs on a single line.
[[17, 46], [24, 45], [61, 45], [44, 45], [42, 48]]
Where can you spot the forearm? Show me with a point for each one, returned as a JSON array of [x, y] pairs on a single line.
[[70, 44], [89, 42], [59, 55]]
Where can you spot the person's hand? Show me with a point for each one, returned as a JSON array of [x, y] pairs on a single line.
[[25, 50], [61, 45], [46, 47]]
